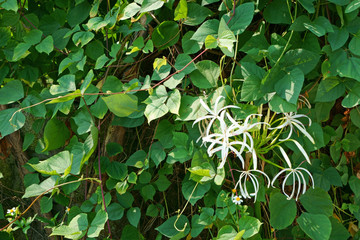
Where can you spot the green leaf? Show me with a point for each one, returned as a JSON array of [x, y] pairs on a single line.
[[83, 38], [11, 121], [100, 62], [10, 5], [55, 165], [137, 159], [167, 228], [46, 45], [55, 134], [280, 105], [190, 108], [66, 84], [151, 5], [340, 2], [117, 170], [316, 226], [338, 38], [155, 109], [282, 211], [317, 201], [131, 232], [199, 192], [241, 20], [308, 5], [354, 45], [122, 105], [78, 14], [339, 232], [206, 75], [329, 90], [196, 14], [46, 204], [133, 215], [28, 140], [162, 183], [97, 224], [355, 117], [148, 192], [37, 189], [33, 37], [130, 11], [190, 46], [226, 232], [226, 39], [354, 184], [115, 211], [166, 34], [210, 42], [11, 92], [181, 10], [173, 102], [352, 6], [277, 13], [210, 27], [290, 85], [303, 59], [5, 36], [75, 229], [251, 226]]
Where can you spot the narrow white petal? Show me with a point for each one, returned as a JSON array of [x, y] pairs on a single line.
[[289, 135], [303, 130], [299, 180], [206, 106], [307, 171], [277, 175], [302, 150], [287, 160], [217, 103]]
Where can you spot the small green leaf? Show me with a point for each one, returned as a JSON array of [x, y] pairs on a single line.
[[133, 215], [352, 6], [122, 105], [46, 45], [166, 34], [33, 37], [241, 19], [181, 10], [251, 226], [100, 62], [167, 228], [97, 224], [210, 42], [11, 120], [173, 102]]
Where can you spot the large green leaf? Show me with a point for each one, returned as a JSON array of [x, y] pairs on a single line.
[[55, 165], [282, 211], [241, 20], [166, 34], [303, 59], [316, 226], [11, 121], [196, 14], [330, 89], [122, 105], [251, 226], [251, 87], [226, 39], [289, 87], [75, 229], [97, 224], [11, 92], [317, 201], [210, 27], [190, 108], [188, 187], [151, 5], [36, 189], [206, 75], [55, 134], [167, 228], [46, 45], [277, 12]]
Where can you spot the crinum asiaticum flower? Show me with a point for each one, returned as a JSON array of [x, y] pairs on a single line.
[[297, 178], [241, 183], [213, 114], [291, 121], [225, 142]]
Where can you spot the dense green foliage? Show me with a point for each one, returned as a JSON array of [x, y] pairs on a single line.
[[122, 107]]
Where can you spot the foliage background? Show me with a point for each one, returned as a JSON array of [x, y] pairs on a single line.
[[113, 87]]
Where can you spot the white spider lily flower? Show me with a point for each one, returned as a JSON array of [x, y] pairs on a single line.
[[291, 120], [213, 114], [241, 183], [298, 179], [226, 144]]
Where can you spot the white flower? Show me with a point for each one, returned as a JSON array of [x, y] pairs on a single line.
[[297, 177], [236, 199], [291, 120], [241, 183], [67, 210], [11, 211], [223, 139], [213, 114]]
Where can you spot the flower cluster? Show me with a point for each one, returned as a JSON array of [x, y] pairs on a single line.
[[226, 135]]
